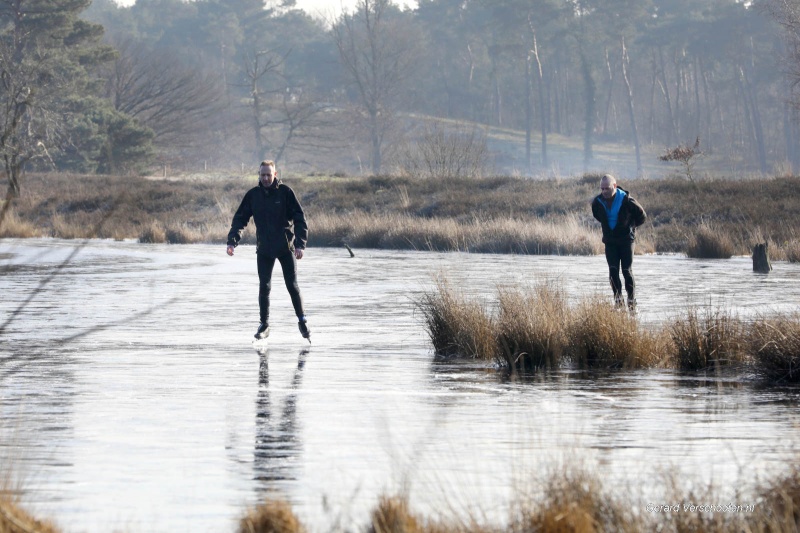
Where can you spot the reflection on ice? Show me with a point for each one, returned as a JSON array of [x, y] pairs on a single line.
[[278, 446], [132, 395]]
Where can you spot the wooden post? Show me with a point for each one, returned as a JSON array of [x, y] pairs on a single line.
[[761, 258]]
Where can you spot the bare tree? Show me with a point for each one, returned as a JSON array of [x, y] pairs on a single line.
[[261, 68], [172, 99], [377, 49]]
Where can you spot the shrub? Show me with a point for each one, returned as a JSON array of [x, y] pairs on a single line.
[[438, 153], [774, 345], [711, 338]]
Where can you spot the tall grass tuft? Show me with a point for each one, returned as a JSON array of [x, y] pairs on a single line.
[[153, 233], [272, 516], [774, 345], [601, 336], [780, 503], [392, 515], [792, 251], [710, 243], [13, 226], [707, 338], [14, 519], [456, 325], [531, 326], [575, 502]]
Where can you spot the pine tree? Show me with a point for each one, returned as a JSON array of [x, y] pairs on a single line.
[[45, 54]]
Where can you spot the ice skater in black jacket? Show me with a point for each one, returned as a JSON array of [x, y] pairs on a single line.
[[619, 215], [281, 233]]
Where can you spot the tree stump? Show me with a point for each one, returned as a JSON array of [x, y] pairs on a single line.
[[761, 258]]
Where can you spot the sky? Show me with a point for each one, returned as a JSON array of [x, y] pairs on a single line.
[[317, 7]]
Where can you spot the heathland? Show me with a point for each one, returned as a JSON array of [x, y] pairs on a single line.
[[711, 217]]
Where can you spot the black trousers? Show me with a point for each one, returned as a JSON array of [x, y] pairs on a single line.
[[289, 267], [620, 254]]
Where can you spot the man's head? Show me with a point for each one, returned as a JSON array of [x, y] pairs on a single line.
[[267, 173], [608, 186]]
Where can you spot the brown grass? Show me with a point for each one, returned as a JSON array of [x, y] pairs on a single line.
[[531, 327], [707, 338], [708, 242], [457, 325], [602, 336], [271, 516], [13, 226], [14, 519], [495, 214], [575, 501], [535, 328], [774, 345]]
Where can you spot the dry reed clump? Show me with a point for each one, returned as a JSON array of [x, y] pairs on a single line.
[[707, 338], [792, 251], [393, 515], [404, 232], [531, 326], [602, 336], [153, 233], [14, 519], [774, 345], [779, 505], [456, 325], [272, 516], [13, 226], [565, 236], [575, 502], [424, 234], [710, 243]]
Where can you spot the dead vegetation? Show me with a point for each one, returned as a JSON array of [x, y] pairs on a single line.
[[491, 214]]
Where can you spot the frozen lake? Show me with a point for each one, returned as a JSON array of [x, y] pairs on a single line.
[[132, 397]]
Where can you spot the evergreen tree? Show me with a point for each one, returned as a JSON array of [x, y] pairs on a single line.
[[45, 51]]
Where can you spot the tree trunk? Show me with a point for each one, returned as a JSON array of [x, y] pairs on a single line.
[[611, 75], [542, 119], [751, 108], [376, 142], [761, 258], [673, 134], [589, 97], [528, 113], [631, 113]]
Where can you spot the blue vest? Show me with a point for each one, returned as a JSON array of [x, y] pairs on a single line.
[[613, 211]]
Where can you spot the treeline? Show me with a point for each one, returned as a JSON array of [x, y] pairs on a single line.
[[217, 82]]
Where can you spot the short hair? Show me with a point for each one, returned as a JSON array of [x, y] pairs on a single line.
[[609, 178], [267, 163]]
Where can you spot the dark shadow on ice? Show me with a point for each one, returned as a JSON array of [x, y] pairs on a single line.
[[277, 445]]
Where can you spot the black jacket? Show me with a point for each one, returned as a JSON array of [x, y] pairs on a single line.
[[278, 217], [631, 216]]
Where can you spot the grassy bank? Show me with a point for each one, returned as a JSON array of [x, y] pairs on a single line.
[[573, 500], [534, 328], [577, 501], [705, 218]]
